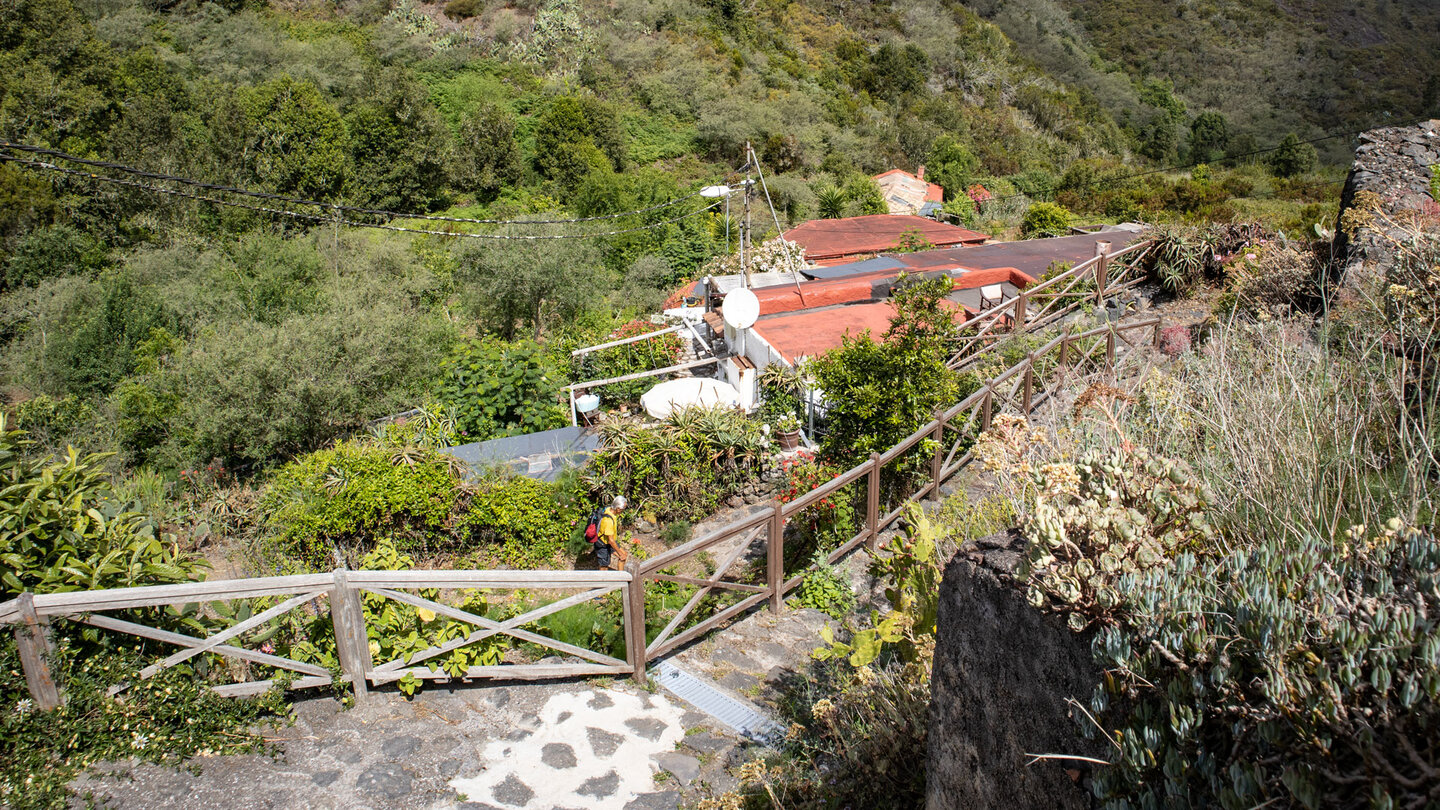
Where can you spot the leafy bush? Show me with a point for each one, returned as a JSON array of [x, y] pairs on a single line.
[[1292, 157], [165, 719], [502, 389], [826, 589], [828, 522], [1046, 219], [677, 533], [1102, 518], [343, 500], [521, 517], [59, 250], [878, 393], [395, 630], [682, 469], [60, 529]]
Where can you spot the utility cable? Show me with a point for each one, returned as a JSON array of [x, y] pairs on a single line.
[[264, 195], [343, 221]]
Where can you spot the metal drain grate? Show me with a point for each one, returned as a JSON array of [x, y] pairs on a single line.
[[742, 717]]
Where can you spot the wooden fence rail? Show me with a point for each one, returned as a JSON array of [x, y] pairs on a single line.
[[1042, 304], [1019, 389]]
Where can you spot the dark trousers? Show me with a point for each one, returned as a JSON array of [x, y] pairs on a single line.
[[602, 553]]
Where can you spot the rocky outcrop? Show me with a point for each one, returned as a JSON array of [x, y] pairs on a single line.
[[1003, 671], [1395, 164]]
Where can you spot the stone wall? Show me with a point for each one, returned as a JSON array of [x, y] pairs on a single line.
[[1002, 673], [1394, 163]]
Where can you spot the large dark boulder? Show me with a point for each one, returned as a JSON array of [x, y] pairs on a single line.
[[1003, 671]]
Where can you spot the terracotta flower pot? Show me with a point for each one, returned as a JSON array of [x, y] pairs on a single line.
[[789, 439]]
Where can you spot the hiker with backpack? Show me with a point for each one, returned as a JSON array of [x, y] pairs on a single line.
[[603, 531]]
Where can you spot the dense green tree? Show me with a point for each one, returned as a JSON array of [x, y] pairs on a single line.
[[94, 349], [951, 165], [397, 147], [58, 250], [569, 135], [1209, 136], [59, 84], [865, 197], [296, 138], [1292, 157], [1046, 219], [897, 70], [531, 285], [880, 392], [486, 156]]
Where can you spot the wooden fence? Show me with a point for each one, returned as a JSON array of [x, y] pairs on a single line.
[[1040, 305], [1019, 389]]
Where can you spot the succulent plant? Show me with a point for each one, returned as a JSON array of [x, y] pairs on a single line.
[[1106, 516]]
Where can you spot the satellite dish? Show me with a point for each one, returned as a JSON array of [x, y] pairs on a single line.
[[714, 192], [741, 308]]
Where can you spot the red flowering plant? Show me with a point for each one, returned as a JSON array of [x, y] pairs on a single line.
[[827, 522]]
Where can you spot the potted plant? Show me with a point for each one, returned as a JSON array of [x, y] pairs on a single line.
[[787, 431]]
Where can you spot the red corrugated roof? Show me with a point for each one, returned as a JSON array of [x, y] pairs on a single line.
[[853, 236], [813, 332]]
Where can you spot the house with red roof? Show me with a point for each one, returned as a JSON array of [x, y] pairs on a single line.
[[836, 241], [907, 193]]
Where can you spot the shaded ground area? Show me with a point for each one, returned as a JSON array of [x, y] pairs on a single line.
[[476, 747]]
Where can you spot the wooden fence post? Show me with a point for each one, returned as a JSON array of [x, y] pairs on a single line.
[[1155, 338], [352, 644], [872, 504], [1029, 384], [775, 559], [1110, 350], [985, 409], [1019, 314], [634, 619], [32, 637], [1102, 271], [937, 461]]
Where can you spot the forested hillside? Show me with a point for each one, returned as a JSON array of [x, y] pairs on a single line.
[[1268, 66], [247, 330]]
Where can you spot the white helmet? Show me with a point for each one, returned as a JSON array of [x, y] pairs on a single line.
[[620, 502]]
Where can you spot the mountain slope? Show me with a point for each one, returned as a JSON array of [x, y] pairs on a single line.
[[1270, 66]]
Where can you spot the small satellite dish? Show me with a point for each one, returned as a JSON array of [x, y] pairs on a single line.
[[714, 192], [741, 308]]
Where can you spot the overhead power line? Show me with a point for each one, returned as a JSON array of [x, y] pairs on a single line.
[[265, 195], [338, 220]]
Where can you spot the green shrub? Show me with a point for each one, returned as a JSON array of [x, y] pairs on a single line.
[[1046, 219], [165, 719], [502, 389], [826, 589], [464, 9], [682, 469], [677, 533], [1313, 680], [522, 517], [880, 392], [341, 501], [58, 250], [1102, 519], [60, 529]]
